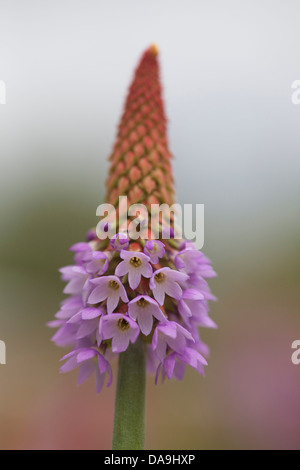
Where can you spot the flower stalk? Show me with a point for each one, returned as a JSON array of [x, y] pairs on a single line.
[[129, 421]]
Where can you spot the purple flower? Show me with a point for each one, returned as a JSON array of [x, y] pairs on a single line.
[[80, 249], [175, 364], [66, 335], [121, 328], [91, 235], [155, 249], [143, 308], [165, 281], [96, 262], [169, 334], [152, 360], [69, 307], [170, 367], [189, 302], [88, 328], [83, 324], [205, 268], [89, 360], [77, 277], [119, 242], [200, 315], [199, 345], [136, 264], [194, 359], [193, 261], [197, 282], [90, 313], [110, 288], [188, 259], [86, 319], [55, 323], [88, 322]]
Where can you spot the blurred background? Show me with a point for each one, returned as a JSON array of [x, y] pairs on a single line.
[[227, 69]]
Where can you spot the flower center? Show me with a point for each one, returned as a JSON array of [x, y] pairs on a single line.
[[135, 261], [123, 324], [142, 302], [113, 285], [159, 277]]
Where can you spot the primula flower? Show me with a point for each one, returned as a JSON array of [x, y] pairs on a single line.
[[121, 329], [89, 361], [166, 281], [96, 262], [69, 307], [65, 335], [187, 303], [108, 288], [80, 249], [77, 276], [136, 265], [169, 334], [119, 242], [143, 308], [90, 313], [87, 321], [175, 364], [193, 261], [155, 249], [148, 292]]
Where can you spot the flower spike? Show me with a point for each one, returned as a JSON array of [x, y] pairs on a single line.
[[125, 292]]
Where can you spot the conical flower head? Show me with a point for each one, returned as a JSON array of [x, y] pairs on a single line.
[[140, 161], [121, 288]]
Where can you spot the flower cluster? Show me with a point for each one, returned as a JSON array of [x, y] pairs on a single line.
[[153, 289], [120, 289]]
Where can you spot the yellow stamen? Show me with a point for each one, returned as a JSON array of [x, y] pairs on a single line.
[[113, 285], [123, 324], [159, 277], [135, 261], [142, 302]]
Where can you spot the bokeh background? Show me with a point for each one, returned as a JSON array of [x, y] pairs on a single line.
[[227, 69]]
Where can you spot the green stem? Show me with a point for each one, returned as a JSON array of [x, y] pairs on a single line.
[[129, 423]]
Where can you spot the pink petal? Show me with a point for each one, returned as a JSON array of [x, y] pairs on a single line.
[[108, 326], [90, 312], [120, 342], [134, 277], [98, 294], [147, 270], [156, 312], [159, 294], [173, 289], [122, 268], [85, 371], [112, 301], [85, 355], [145, 322], [71, 364]]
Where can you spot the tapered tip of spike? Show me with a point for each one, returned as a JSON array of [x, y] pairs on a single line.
[[153, 49]]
